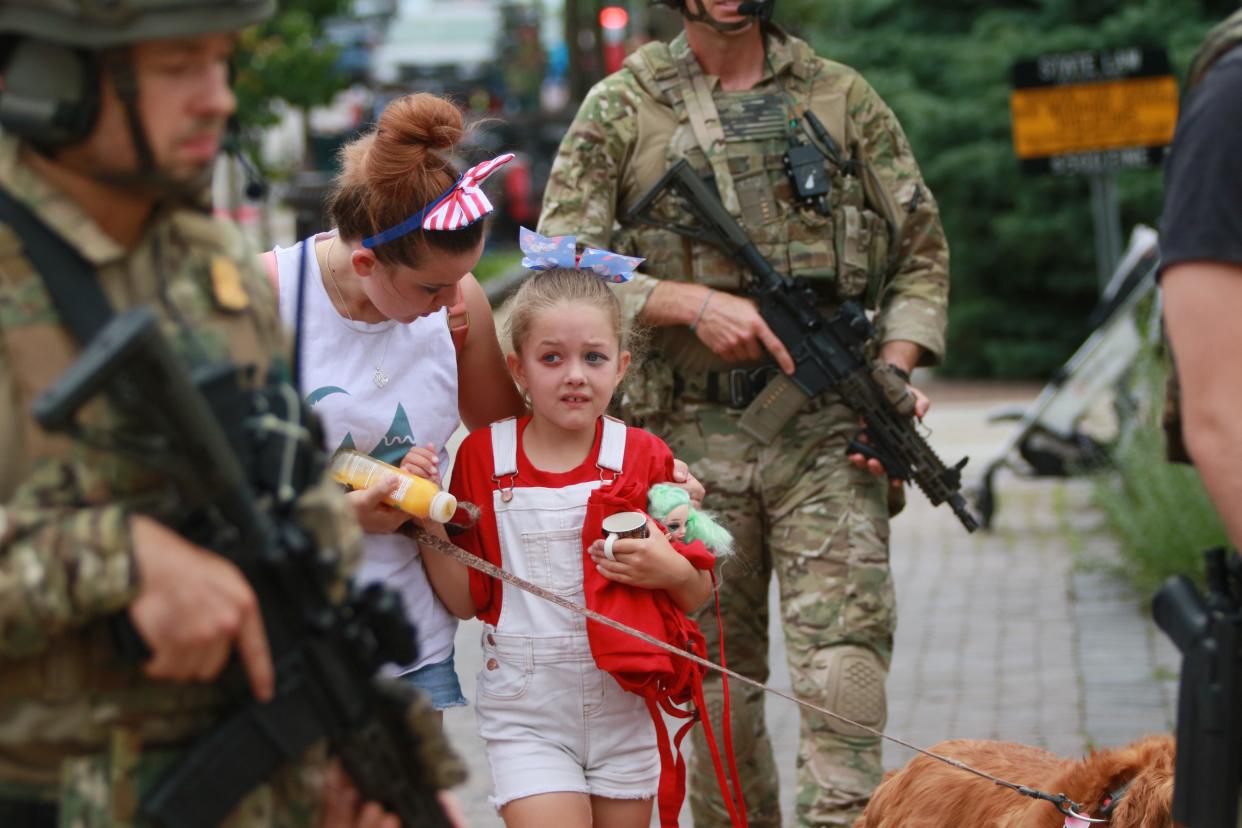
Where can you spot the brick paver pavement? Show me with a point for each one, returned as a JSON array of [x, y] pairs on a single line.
[[1019, 634]]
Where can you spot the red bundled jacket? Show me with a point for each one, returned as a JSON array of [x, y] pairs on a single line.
[[663, 679]]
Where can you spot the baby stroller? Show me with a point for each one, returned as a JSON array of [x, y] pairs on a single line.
[[1050, 440]]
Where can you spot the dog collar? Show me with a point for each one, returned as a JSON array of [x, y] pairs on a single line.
[[1110, 801], [1073, 819]]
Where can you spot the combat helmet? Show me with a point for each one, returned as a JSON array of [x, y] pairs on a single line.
[[50, 54]]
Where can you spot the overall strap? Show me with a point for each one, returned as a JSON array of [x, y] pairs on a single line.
[[71, 280], [504, 451], [504, 448], [504, 456], [611, 445]]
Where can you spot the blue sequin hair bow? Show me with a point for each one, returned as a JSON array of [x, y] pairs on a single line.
[[543, 253]]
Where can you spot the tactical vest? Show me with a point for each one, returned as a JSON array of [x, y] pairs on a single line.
[[1222, 39], [740, 139], [69, 698], [203, 283]]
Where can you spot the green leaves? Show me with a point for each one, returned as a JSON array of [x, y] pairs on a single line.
[[287, 59]]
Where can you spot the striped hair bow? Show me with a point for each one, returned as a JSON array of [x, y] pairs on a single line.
[[543, 253], [459, 206]]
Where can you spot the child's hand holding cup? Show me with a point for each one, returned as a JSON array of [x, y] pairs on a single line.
[[622, 525]]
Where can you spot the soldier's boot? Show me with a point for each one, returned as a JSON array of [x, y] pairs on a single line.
[[755, 764], [839, 765]]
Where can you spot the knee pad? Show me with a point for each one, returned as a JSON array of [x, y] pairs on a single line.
[[854, 687]]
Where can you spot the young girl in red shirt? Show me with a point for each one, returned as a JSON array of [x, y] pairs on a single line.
[[567, 745]]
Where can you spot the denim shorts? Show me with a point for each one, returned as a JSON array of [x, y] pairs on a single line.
[[439, 681]]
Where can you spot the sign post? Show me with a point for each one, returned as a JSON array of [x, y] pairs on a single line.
[[1094, 113]]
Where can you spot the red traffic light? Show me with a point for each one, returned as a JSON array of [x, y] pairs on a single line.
[[613, 17]]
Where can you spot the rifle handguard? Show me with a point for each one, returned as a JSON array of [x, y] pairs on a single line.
[[895, 386]]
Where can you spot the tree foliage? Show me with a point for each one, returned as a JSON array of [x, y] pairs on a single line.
[[1023, 257], [286, 59]]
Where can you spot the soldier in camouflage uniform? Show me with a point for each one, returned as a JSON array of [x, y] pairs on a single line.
[[729, 95], [112, 114]]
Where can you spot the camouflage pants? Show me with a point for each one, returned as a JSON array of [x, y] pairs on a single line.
[[103, 788], [103, 792], [798, 508]]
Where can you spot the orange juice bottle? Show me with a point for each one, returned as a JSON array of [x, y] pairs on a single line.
[[414, 495]]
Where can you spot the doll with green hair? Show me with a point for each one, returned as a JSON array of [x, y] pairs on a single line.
[[672, 507]]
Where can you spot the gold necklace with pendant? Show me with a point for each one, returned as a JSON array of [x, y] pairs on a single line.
[[378, 377]]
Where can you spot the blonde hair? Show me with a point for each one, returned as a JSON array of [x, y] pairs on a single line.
[[546, 289], [397, 169]]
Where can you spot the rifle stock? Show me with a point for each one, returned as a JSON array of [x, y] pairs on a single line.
[[326, 651], [829, 353]]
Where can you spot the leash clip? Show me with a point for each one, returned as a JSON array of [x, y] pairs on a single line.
[[1063, 804], [1073, 819]]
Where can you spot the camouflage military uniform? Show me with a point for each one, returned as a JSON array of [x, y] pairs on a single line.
[[796, 506], [77, 725]]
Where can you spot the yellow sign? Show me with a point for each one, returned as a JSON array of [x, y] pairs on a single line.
[[1089, 117]]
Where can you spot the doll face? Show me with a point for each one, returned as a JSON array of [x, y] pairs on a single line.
[[675, 522]]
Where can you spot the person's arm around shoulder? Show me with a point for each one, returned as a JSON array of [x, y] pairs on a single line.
[[1202, 304], [485, 391]]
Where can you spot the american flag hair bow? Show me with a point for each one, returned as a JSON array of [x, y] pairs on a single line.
[[543, 253], [459, 206]]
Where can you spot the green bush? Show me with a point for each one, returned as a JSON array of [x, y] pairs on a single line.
[[1158, 510]]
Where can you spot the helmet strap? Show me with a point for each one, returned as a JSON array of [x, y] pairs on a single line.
[[125, 82], [148, 176], [701, 15]]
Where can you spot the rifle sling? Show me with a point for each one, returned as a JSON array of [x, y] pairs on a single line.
[[72, 282]]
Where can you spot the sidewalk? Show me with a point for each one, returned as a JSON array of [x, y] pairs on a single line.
[[1016, 634]]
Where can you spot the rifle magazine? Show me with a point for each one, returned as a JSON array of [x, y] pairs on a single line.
[[777, 404]]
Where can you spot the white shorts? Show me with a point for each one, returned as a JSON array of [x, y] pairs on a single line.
[[555, 722]]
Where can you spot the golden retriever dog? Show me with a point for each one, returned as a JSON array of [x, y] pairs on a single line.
[[930, 794]]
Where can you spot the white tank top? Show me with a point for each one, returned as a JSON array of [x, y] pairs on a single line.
[[416, 407]]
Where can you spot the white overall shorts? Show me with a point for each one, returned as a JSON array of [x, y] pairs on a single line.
[[552, 720]]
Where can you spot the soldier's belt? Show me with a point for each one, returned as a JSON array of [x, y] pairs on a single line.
[[736, 388]]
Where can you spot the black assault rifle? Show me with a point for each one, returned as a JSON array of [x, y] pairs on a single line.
[[204, 433], [1209, 697], [829, 353]]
